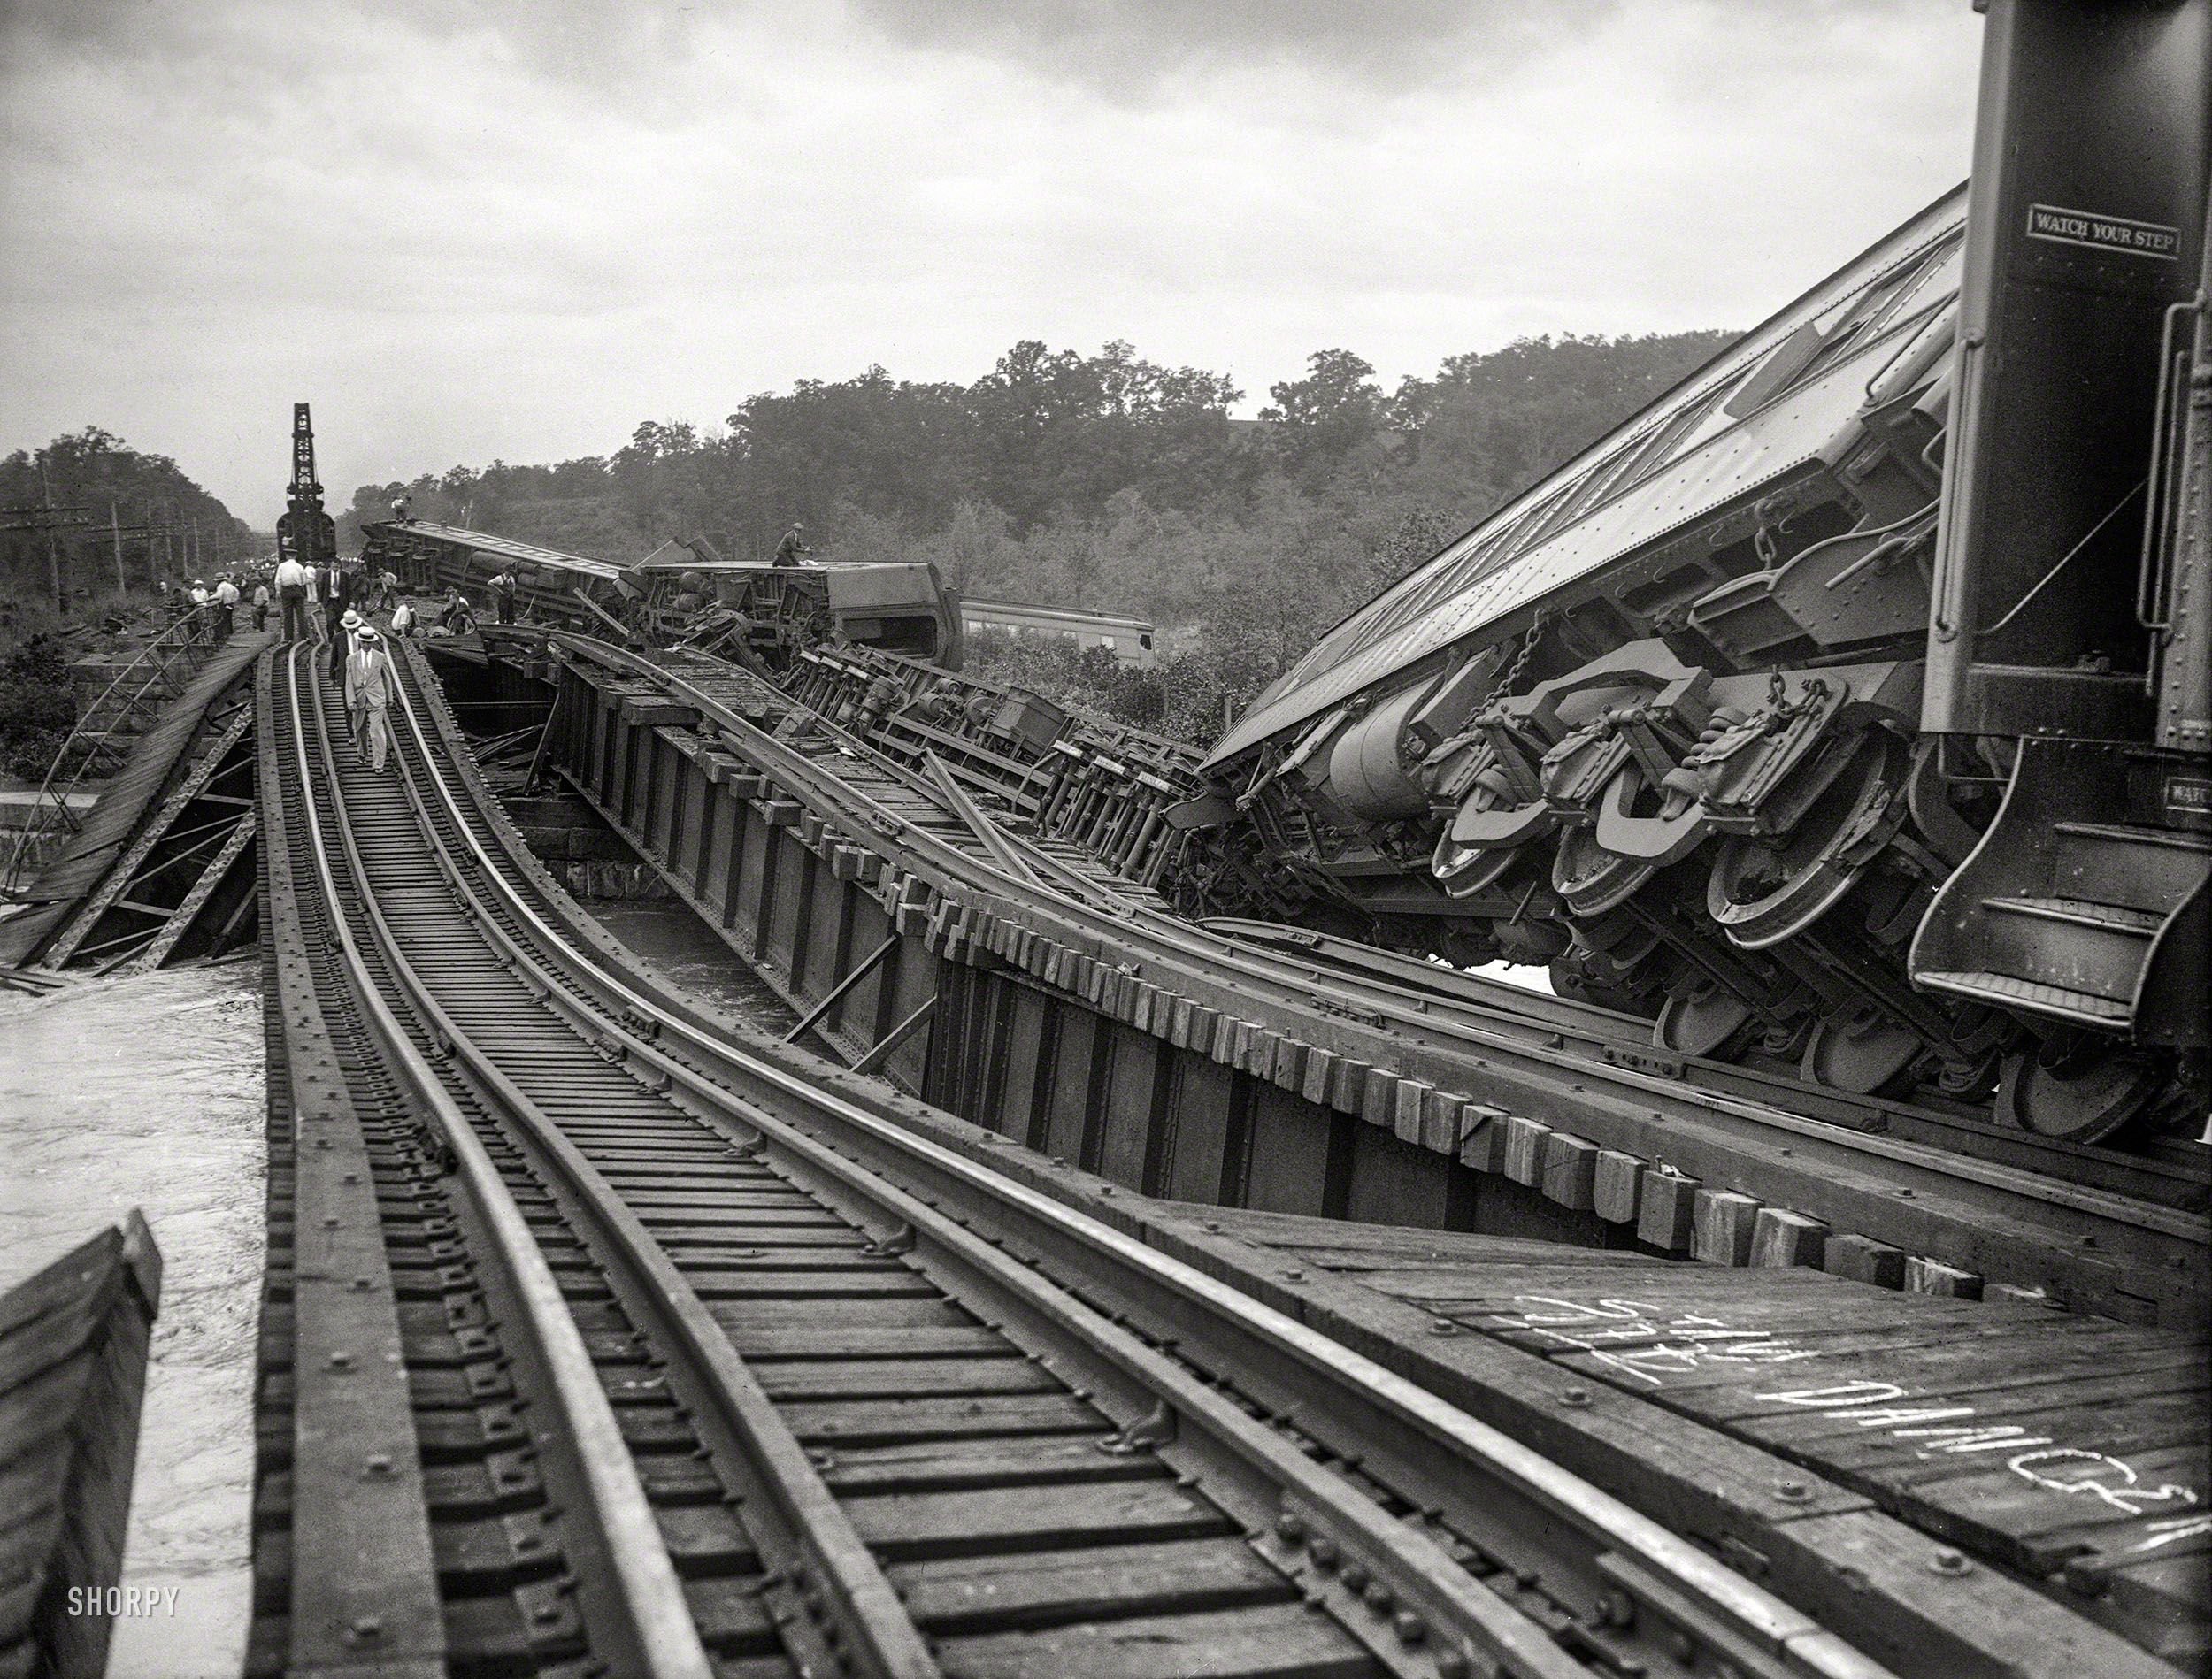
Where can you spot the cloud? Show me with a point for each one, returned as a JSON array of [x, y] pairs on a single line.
[[1124, 47], [472, 234]]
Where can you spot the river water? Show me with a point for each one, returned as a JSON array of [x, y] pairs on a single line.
[[147, 1091]]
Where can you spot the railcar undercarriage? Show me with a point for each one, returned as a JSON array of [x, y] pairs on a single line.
[[1847, 708]]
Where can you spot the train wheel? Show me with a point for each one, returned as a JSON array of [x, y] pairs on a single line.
[[1865, 1052], [1764, 894], [1701, 1023], [1465, 871], [2080, 1098], [1593, 879]]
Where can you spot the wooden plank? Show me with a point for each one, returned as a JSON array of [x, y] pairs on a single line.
[[74, 1338], [741, 1316], [904, 1526], [881, 1421], [1108, 1582], [764, 1346], [1023, 1460], [1286, 1642], [912, 1378]]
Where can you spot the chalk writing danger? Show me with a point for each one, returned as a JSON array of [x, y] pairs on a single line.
[[1651, 1345], [2117, 233]]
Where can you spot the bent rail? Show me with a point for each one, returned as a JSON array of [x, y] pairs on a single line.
[[188, 641], [831, 1129]]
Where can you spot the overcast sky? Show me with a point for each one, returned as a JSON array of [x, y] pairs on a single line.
[[515, 229]]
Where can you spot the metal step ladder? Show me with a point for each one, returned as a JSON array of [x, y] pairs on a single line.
[[2075, 908]]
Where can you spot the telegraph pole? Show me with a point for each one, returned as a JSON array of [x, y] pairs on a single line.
[[53, 546], [115, 534]]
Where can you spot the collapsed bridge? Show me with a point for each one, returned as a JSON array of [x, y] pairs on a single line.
[[1127, 1240]]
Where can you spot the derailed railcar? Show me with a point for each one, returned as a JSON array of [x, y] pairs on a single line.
[[762, 613], [1845, 706]]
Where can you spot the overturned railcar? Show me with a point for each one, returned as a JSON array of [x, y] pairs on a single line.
[[1848, 707], [764, 614]]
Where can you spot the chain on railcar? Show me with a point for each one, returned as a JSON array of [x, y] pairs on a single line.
[[1847, 707]]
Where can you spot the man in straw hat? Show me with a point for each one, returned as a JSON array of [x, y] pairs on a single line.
[[342, 643], [370, 682]]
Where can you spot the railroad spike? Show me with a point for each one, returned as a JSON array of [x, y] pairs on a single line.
[[901, 1240], [1156, 1427]]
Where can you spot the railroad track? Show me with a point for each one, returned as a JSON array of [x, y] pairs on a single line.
[[1423, 997], [710, 1368], [2145, 1212], [1447, 1009]]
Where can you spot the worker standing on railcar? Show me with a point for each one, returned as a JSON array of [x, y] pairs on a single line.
[[792, 545], [369, 684]]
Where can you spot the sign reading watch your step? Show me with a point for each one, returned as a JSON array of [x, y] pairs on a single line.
[[2118, 234]]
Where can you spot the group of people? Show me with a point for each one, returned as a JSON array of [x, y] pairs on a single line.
[[333, 604], [306, 593]]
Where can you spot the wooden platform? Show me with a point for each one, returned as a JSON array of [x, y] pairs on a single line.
[[2065, 1451], [73, 1373], [129, 797], [2019, 1489]]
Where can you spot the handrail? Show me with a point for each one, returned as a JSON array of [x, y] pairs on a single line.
[[35, 827], [2168, 419]]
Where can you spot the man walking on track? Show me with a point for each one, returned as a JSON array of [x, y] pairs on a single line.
[[341, 635], [369, 684], [291, 582]]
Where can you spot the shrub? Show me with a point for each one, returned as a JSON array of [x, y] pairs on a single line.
[[36, 708]]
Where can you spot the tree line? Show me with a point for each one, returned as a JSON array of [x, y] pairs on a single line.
[[88, 517], [1106, 481]]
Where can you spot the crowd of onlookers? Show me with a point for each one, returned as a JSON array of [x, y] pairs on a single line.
[[335, 606], [307, 601]]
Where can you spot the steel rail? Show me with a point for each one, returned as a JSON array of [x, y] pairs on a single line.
[[1448, 1012], [1656, 1092], [1457, 994], [1464, 1020], [1424, 1576], [660, 1621], [816, 1528], [1373, 1405]]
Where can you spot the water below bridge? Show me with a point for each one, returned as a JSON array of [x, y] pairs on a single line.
[[147, 1091]]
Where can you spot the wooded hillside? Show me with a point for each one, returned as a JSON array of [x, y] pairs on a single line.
[[144, 503], [1104, 480]]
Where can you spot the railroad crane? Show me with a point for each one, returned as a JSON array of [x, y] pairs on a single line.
[[305, 531], [1847, 709]]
